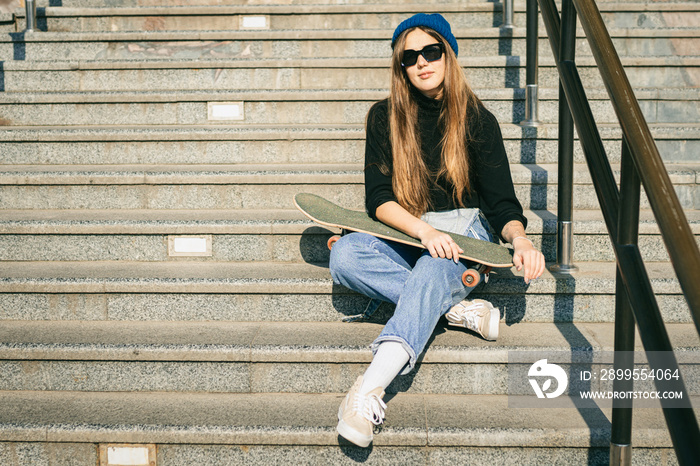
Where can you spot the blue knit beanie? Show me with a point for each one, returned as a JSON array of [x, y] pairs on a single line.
[[435, 22]]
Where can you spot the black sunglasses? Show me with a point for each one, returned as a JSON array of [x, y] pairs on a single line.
[[430, 52]]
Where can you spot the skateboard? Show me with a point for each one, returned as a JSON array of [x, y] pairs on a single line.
[[480, 255]]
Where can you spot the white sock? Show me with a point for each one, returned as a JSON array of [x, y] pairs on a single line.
[[388, 361]]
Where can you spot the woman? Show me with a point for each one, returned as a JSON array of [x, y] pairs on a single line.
[[434, 159]]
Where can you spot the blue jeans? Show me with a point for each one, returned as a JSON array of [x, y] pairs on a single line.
[[422, 287]]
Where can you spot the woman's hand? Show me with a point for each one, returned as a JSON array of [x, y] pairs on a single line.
[[525, 255], [439, 244]]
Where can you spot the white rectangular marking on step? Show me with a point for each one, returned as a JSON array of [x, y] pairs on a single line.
[[132, 456], [189, 245], [254, 22], [226, 111], [127, 455]]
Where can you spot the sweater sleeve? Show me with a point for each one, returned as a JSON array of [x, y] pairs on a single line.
[[378, 159], [494, 183]]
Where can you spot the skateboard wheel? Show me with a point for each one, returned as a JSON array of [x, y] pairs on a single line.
[[471, 278], [332, 240]]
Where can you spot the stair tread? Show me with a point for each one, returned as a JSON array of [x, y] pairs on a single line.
[[302, 95], [310, 342], [298, 9], [273, 277], [325, 34], [273, 221], [307, 173], [343, 63], [296, 132], [303, 9], [310, 419]]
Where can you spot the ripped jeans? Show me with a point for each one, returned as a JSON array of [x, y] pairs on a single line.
[[422, 287]]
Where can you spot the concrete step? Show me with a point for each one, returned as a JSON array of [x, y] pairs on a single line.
[[253, 247], [519, 4], [275, 17], [307, 357], [241, 236], [252, 428], [85, 454], [229, 291], [242, 174], [302, 44], [648, 14], [206, 18], [259, 186], [8, 22], [274, 107], [303, 5], [331, 74], [221, 144]]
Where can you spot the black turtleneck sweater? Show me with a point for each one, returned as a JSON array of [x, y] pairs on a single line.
[[492, 185]]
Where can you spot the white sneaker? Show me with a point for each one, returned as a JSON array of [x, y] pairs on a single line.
[[478, 315], [358, 414]]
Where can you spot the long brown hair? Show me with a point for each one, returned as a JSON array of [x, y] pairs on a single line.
[[410, 178]]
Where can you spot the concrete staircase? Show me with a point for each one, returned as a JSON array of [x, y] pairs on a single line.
[[108, 153]]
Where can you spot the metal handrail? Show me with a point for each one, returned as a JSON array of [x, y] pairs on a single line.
[[531, 99], [565, 205], [668, 212], [640, 160], [31, 15], [508, 13]]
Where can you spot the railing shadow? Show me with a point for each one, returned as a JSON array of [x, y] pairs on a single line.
[[582, 360], [41, 20], [19, 47], [538, 192], [505, 48]]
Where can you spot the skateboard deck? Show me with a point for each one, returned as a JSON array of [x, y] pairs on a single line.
[[331, 215]]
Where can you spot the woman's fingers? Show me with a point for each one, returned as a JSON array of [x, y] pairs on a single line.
[[432, 250], [534, 264], [448, 246], [436, 249], [443, 246], [531, 262], [540, 264], [518, 261], [456, 251], [452, 249], [442, 250]]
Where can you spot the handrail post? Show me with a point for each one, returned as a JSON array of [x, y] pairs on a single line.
[[31, 15], [565, 208], [531, 39], [627, 234], [508, 14]]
